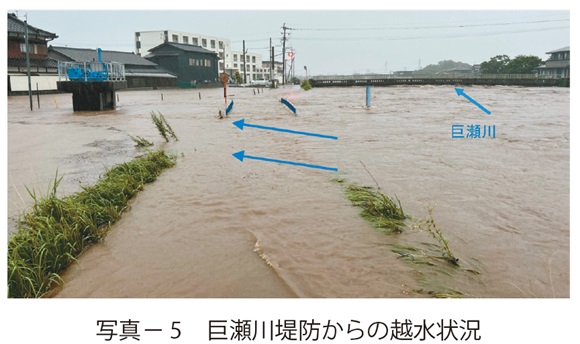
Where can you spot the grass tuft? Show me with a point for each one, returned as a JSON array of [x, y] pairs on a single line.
[[437, 234], [163, 126], [140, 142], [56, 231], [433, 261], [382, 211]]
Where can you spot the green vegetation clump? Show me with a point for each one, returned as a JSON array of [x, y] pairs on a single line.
[[163, 126], [56, 231], [141, 142], [434, 263], [305, 85], [565, 82], [502, 64], [382, 211]]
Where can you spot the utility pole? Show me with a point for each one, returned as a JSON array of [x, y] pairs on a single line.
[[244, 55], [27, 59], [270, 59], [284, 54], [272, 69]]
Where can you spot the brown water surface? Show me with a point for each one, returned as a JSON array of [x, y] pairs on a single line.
[[215, 227]]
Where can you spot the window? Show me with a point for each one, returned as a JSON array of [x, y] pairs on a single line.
[[247, 58], [253, 59], [191, 62], [194, 41], [235, 65], [212, 44], [221, 55], [175, 38], [32, 48], [185, 40], [235, 58], [207, 63], [204, 42], [221, 45], [138, 44]]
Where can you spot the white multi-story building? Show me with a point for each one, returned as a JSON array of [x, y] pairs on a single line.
[[230, 61], [253, 65]]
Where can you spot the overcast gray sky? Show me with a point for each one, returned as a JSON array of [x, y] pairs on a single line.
[[330, 41]]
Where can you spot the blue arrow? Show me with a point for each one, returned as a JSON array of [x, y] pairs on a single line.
[[241, 155], [241, 124], [461, 93]]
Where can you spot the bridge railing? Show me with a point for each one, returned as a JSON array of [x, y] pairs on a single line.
[[434, 76], [91, 71]]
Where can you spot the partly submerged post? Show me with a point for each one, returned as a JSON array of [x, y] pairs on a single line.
[[368, 95], [289, 105], [93, 84], [224, 78]]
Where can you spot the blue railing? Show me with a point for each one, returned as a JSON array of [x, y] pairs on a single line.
[[91, 71]]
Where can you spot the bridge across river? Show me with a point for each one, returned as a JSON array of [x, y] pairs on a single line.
[[529, 80]]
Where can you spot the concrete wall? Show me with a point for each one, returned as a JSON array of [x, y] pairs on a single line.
[[19, 83]]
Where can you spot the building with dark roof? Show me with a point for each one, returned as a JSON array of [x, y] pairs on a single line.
[[193, 65], [43, 70], [139, 72], [558, 64], [230, 60], [458, 70]]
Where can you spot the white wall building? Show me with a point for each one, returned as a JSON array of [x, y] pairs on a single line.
[[230, 60]]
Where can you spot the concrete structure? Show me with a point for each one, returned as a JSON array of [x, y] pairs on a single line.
[[139, 72], [229, 60], [43, 70], [194, 66], [92, 82], [558, 65], [92, 96], [528, 80]]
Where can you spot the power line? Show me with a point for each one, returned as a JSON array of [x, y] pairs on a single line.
[[382, 38], [429, 27]]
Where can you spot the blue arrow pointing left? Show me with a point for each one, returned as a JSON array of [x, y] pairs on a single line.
[[241, 155], [242, 123]]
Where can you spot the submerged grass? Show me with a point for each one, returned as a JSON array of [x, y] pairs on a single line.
[[56, 231], [381, 210], [434, 263]]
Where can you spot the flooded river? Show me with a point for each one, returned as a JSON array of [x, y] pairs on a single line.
[[213, 226]]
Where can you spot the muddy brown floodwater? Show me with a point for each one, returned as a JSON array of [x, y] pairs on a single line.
[[213, 226]]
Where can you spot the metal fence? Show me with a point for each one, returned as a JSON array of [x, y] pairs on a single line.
[[91, 71], [435, 76]]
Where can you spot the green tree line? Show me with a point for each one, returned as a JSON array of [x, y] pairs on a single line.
[[502, 64]]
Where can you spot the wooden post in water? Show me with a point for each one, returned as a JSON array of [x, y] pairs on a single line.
[[224, 78]]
